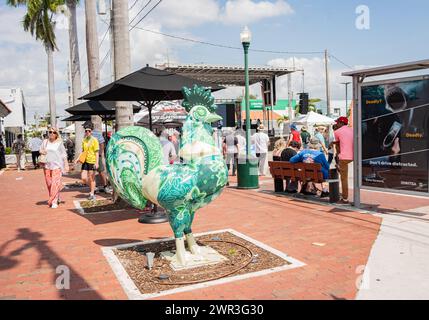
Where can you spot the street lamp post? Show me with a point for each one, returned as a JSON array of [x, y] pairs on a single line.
[[247, 168]]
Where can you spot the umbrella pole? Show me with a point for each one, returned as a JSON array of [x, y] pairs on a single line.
[[150, 116], [105, 126]]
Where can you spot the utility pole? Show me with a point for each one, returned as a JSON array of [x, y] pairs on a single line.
[[75, 71], [121, 52], [328, 98], [92, 54], [346, 84], [51, 87], [289, 96]]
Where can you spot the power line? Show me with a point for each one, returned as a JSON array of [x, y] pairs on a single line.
[[140, 11], [227, 46], [132, 6], [344, 64], [132, 27], [104, 36]]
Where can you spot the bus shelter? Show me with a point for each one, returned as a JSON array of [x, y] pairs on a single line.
[[390, 130]]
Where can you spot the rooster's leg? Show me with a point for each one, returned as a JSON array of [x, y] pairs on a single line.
[[180, 250], [192, 244]]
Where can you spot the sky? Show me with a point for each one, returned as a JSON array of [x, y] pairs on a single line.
[[386, 32]]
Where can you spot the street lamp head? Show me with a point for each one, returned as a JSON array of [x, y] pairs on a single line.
[[245, 35]]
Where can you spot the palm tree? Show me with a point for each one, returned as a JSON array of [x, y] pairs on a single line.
[[92, 53], [38, 21]]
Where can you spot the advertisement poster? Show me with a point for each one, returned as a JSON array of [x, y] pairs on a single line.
[[395, 143]]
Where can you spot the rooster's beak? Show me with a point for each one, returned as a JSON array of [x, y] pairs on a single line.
[[212, 117]]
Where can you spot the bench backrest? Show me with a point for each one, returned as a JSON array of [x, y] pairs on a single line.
[[296, 171]]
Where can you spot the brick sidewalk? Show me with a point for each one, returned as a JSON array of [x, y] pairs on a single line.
[[35, 240]]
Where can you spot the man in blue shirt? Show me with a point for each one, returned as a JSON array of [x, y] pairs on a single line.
[[313, 155]]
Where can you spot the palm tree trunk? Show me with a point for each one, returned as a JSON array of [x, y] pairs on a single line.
[[51, 87], [121, 52], [75, 71], [92, 54]]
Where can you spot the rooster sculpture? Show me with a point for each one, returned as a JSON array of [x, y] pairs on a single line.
[[135, 167]]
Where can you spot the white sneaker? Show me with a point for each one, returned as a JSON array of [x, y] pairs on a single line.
[[108, 189], [54, 205]]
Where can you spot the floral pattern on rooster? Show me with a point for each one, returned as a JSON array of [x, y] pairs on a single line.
[[134, 163]]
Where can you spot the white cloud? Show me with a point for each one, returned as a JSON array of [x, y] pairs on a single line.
[[246, 11], [183, 14], [314, 78], [192, 13]]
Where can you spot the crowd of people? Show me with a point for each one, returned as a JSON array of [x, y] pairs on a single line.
[[323, 146], [56, 156]]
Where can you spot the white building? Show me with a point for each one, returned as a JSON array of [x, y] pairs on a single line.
[[15, 122]]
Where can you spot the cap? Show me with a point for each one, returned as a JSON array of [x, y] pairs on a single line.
[[88, 124], [342, 120]]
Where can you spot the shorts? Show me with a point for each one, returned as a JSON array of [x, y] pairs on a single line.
[[88, 166], [100, 164]]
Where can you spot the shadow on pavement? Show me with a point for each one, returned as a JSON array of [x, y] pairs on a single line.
[[114, 242], [79, 288], [97, 218]]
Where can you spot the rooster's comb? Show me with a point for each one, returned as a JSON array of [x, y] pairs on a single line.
[[198, 96]]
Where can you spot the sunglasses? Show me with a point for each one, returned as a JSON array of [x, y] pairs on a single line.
[[52, 132], [88, 130]]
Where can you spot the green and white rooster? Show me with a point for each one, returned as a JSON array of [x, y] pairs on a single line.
[[135, 167]]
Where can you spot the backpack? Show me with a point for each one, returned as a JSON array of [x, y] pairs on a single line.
[[305, 136]]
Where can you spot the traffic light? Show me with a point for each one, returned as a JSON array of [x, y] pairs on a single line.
[[303, 103]]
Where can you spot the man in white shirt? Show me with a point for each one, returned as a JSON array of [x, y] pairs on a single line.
[[240, 134], [261, 142], [168, 149], [34, 145], [231, 151]]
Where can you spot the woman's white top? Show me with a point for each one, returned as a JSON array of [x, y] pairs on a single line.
[[56, 153]]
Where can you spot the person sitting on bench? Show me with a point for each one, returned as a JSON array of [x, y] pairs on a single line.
[[286, 155], [313, 155]]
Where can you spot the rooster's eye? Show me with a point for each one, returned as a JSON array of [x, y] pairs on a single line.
[[199, 113]]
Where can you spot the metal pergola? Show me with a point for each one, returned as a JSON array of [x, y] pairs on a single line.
[[229, 76], [358, 77], [226, 75]]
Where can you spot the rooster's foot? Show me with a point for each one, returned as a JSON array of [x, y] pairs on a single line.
[[192, 244]]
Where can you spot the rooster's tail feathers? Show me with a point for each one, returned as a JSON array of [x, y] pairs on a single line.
[[131, 153]]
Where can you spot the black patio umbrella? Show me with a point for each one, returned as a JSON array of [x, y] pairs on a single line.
[[105, 109], [148, 86]]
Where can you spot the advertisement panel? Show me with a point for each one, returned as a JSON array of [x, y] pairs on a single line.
[[395, 144]]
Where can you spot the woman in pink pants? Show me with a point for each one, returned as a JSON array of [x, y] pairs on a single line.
[[56, 164]]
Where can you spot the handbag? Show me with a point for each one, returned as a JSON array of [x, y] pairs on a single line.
[[82, 157], [43, 157]]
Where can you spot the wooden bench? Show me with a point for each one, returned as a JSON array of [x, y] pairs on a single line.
[[304, 172]]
